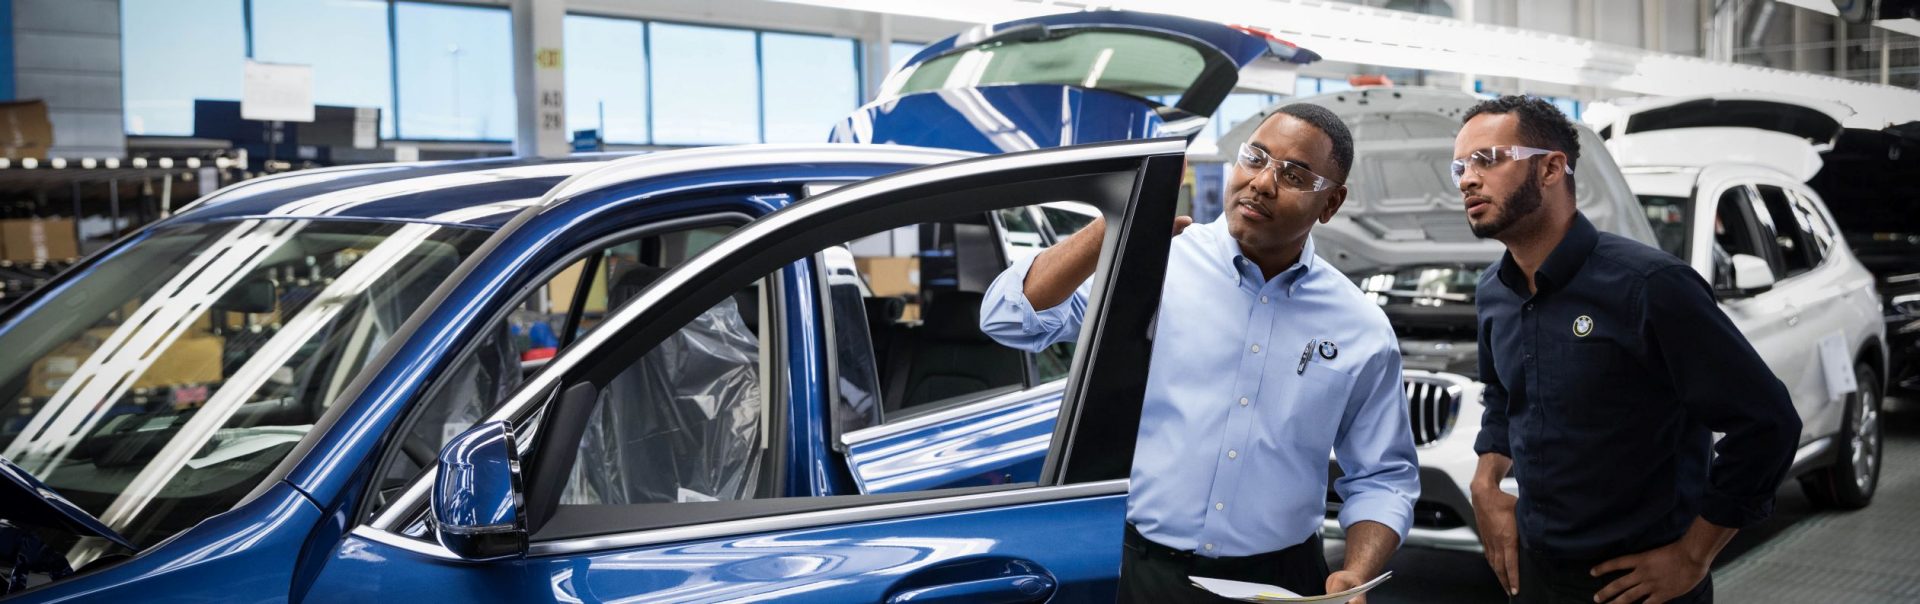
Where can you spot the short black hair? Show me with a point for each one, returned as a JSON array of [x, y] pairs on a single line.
[[1541, 125], [1329, 124]]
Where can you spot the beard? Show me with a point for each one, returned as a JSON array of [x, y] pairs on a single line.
[[1523, 202]]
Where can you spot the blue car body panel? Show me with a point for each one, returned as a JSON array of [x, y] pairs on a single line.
[[998, 445], [1003, 119], [1233, 43], [1075, 541], [295, 537]]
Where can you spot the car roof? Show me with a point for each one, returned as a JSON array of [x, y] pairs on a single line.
[[482, 193], [1237, 44]]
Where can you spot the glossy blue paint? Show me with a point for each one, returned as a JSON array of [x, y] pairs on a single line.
[[1005, 444], [247, 553], [394, 192], [1073, 542], [1238, 45], [1003, 119], [476, 494]]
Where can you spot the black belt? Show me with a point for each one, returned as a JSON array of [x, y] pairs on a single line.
[[1139, 545]]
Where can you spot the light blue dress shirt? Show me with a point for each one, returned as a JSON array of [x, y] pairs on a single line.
[[1235, 432]]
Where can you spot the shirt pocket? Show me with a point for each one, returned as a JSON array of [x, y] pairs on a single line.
[[1316, 402], [1595, 385]]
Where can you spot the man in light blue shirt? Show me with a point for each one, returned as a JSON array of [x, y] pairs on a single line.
[[1265, 360]]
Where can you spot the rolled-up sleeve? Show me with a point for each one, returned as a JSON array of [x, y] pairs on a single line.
[[1726, 386], [1493, 396], [1381, 476], [1008, 318]]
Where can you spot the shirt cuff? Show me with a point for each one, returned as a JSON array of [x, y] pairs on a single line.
[[1385, 507], [1492, 439], [1015, 295], [1736, 512]]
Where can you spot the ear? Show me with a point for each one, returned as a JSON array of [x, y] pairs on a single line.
[[1556, 167], [1335, 198]]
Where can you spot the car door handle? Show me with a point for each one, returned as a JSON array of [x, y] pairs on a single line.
[[1011, 589], [995, 580]]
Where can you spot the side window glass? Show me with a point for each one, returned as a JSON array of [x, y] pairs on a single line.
[[1815, 224], [1733, 233], [688, 420], [545, 320], [1798, 252], [1022, 233], [925, 285], [1063, 220]]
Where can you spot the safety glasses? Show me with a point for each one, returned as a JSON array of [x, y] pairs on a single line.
[[1288, 175], [1490, 157]]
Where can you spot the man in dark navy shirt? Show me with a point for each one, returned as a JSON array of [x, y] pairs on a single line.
[[1608, 367]]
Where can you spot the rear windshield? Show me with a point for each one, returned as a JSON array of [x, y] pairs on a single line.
[[1138, 64]]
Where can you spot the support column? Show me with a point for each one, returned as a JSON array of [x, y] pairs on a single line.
[[877, 58], [538, 83]]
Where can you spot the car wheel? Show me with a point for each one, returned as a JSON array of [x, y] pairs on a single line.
[[1849, 483]]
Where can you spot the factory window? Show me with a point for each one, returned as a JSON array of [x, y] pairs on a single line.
[[455, 72], [899, 52], [705, 88], [175, 51], [309, 33], [606, 78], [810, 82]]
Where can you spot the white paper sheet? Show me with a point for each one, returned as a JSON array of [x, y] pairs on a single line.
[[1258, 592], [1838, 366]]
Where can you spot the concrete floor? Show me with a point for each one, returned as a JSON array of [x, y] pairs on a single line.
[[1798, 555]]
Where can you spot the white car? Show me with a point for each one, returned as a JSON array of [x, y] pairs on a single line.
[[1403, 238], [1733, 201]]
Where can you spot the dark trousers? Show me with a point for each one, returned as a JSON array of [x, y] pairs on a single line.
[[1546, 580], [1153, 573]]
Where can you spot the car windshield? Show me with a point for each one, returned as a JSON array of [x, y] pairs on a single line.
[[1138, 64], [165, 382], [1421, 286]]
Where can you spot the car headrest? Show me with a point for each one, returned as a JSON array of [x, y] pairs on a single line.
[[632, 282], [954, 315], [885, 309]]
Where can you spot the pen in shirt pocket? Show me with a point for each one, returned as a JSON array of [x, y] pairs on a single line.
[[1305, 354]]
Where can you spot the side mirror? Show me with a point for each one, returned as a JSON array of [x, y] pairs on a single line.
[[1751, 275], [477, 509]]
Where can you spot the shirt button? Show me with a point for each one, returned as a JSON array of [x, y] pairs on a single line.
[[1219, 506], [1256, 349], [1263, 299], [1232, 454], [1209, 546], [1243, 401], [1529, 306]]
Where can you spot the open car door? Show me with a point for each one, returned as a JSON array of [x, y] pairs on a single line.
[[654, 448]]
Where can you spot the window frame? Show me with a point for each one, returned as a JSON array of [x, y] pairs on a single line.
[[1117, 175], [370, 507], [1805, 248]]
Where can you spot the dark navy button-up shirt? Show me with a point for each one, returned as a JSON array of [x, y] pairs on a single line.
[[1605, 388]]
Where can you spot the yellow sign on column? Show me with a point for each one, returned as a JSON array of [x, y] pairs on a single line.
[[547, 58]]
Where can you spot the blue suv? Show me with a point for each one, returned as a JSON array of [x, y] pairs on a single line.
[[711, 374]]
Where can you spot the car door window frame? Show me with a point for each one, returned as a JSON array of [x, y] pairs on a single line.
[[370, 505], [1116, 173]]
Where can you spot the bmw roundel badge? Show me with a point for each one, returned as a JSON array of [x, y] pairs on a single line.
[[1328, 350]]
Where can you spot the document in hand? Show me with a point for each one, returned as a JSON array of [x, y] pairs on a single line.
[[1256, 592]]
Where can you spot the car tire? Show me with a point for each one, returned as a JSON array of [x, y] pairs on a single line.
[[1849, 483]]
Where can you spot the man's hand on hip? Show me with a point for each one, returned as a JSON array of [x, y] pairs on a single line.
[[1666, 572]]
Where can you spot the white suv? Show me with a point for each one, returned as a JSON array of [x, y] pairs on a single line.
[[1403, 239]]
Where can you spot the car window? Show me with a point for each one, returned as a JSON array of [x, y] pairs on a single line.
[[1020, 233], [162, 385], [544, 320], [1669, 218], [688, 421], [1064, 223], [1807, 209], [1735, 232], [923, 287], [1792, 232]]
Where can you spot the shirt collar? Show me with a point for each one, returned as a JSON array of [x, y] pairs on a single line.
[[1248, 274], [1561, 265]]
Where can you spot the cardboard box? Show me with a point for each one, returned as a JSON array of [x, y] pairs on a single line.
[[25, 130], [41, 239], [891, 276], [194, 358]]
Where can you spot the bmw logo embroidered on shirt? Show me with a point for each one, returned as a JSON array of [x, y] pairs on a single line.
[[1328, 350], [1582, 326]]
